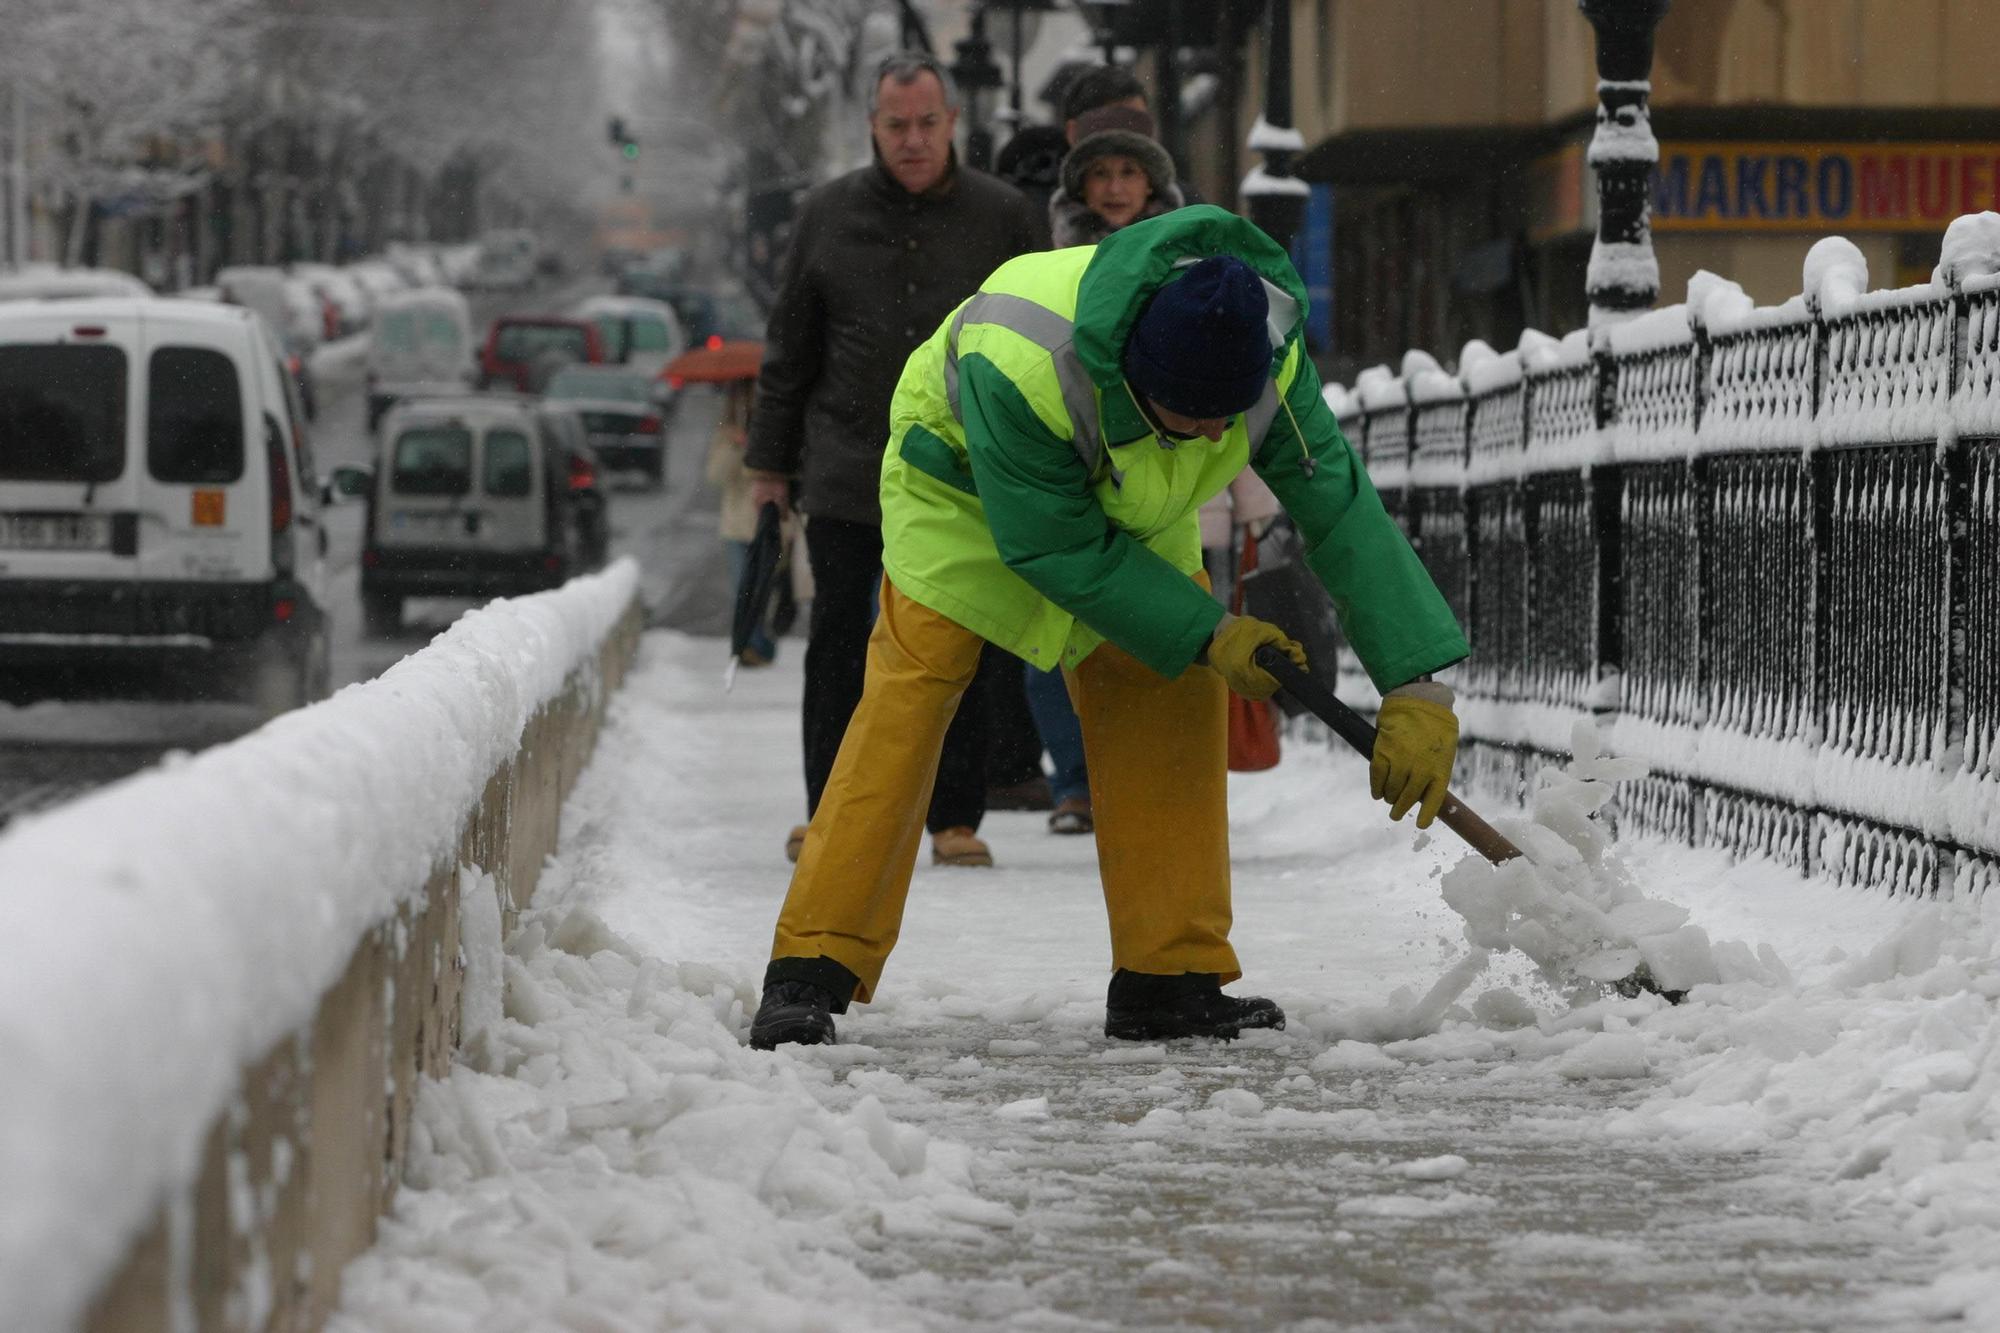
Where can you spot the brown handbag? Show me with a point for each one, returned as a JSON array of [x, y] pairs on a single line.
[[1253, 723]]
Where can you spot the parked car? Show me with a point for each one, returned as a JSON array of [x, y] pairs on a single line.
[[475, 496], [522, 351], [378, 278], [509, 260], [624, 415], [706, 311], [420, 344], [47, 282], [267, 291], [158, 503], [637, 332]]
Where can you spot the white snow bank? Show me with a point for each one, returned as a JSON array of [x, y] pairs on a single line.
[[164, 932], [1971, 249]]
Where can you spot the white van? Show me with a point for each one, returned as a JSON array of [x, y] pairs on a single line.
[[158, 504], [478, 496], [420, 344]]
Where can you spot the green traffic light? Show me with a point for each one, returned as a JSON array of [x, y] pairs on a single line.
[[631, 150]]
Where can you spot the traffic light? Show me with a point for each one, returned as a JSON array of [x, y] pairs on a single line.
[[631, 150]]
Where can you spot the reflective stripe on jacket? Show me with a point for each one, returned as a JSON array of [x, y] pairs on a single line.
[[1024, 496]]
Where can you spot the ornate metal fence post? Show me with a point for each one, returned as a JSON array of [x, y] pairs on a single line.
[[1273, 197], [1624, 274]]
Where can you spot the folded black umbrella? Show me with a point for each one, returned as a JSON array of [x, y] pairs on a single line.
[[760, 577]]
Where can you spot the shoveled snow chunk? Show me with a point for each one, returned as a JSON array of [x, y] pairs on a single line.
[[1450, 1166], [1028, 1108], [1607, 1055], [1237, 1102]]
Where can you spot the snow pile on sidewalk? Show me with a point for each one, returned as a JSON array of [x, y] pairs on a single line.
[[614, 1156], [165, 932], [1570, 902]]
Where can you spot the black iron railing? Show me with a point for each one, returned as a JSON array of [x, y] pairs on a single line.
[[1766, 555]]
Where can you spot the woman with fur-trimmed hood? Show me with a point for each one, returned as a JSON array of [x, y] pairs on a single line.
[[1116, 174]]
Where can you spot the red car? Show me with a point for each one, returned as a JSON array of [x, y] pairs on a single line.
[[522, 351]]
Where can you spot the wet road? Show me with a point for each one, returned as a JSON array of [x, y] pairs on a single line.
[[54, 750]]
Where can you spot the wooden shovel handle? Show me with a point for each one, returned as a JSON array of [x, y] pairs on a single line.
[[1351, 727]]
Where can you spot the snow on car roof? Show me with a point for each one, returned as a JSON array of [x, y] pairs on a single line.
[[124, 307]]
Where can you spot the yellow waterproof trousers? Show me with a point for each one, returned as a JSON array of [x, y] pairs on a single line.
[[1157, 751]]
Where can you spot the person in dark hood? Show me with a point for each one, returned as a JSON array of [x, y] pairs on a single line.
[[1116, 174], [877, 259]]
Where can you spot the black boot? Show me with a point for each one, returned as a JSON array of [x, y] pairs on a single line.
[[801, 996], [1145, 1006]]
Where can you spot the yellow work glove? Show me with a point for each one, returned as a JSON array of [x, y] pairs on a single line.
[[1229, 650], [1416, 735]]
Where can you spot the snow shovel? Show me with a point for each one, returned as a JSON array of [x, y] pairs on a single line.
[[1351, 727], [1481, 836]]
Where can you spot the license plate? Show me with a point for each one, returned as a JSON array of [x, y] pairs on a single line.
[[424, 520], [55, 532]]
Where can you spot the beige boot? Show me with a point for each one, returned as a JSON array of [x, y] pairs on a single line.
[[795, 842], [959, 847]]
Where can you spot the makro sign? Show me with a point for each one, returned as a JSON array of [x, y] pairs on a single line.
[[1822, 187]]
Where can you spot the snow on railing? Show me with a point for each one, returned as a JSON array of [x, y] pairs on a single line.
[[1888, 367], [167, 932], [1562, 405], [1759, 389], [1975, 404], [1655, 357], [1783, 580]]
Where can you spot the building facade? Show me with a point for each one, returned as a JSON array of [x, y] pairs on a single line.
[[1453, 133]]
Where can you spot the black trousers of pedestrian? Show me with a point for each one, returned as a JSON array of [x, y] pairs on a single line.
[[846, 561]]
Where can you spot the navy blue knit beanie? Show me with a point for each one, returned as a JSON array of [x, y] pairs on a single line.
[[1200, 348]]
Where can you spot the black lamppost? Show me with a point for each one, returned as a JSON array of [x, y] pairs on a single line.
[[976, 75], [1273, 197], [1624, 274]]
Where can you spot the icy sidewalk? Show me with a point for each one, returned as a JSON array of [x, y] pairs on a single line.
[[976, 1154]]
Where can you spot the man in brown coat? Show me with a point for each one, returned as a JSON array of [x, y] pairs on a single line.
[[878, 258]]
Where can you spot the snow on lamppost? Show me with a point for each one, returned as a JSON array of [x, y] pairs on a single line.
[[1624, 276], [1274, 198]]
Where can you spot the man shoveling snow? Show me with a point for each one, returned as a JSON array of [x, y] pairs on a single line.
[[1050, 447]]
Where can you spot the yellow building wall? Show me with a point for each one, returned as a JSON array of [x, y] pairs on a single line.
[[1381, 64]]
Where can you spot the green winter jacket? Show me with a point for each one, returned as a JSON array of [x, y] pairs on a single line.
[[1025, 498]]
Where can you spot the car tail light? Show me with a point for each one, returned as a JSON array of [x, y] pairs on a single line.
[[292, 363], [582, 476], [714, 341], [676, 383], [649, 425], [552, 563], [88, 330], [283, 610], [370, 557], [281, 485]]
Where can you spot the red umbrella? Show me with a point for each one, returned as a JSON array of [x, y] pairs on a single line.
[[718, 361]]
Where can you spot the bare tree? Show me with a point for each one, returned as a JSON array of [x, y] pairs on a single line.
[[114, 86]]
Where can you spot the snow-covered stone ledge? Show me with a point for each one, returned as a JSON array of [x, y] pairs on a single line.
[[224, 977]]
